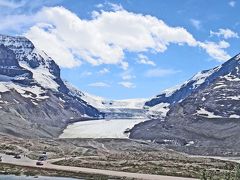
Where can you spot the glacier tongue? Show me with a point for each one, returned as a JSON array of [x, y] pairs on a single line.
[[128, 108]]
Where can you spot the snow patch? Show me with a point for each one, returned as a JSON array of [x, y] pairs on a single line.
[[33, 92], [220, 86], [234, 97], [161, 108], [234, 116], [42, 76], [203, 112]]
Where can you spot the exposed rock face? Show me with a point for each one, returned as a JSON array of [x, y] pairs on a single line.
[[34, 101], [9, 65], [207, 118]]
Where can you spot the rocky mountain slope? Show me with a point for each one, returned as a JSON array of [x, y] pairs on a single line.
[[169, 97], [34, 101], [208, 118]]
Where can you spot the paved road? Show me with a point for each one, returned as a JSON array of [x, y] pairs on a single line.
[[24, 161]]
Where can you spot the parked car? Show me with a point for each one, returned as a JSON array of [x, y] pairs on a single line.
[[0, 158], [10, 153], [42, 157], [17, 156], [39, 163]]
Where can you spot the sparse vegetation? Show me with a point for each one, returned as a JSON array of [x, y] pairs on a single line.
[[6, 169], [122, 155]]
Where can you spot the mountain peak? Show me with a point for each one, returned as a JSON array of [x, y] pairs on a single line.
[[32, 93], [198, 82]]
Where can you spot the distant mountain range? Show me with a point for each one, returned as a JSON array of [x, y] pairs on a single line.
[[36, 102], [203, 112]]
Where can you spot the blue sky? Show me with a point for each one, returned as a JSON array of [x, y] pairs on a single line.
[[127, 49]]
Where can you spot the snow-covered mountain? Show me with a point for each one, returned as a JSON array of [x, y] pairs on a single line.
[[205, 112], [34, 101], [178, 93], [127, 108]]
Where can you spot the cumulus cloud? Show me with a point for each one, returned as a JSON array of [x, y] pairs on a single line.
[[127, 84], [216, 50], [142, 59], [158, 72], [225, 33], [99, 84], [103, 39], [53, 46]]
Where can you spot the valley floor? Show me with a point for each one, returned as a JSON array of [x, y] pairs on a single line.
[[106, 156], [26, 162]]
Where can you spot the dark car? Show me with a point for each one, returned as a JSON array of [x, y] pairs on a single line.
[[10, 153], [39, 163], [17, 156], [0, 158]]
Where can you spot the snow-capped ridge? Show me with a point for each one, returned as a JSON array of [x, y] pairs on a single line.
[[45, 71], [230, 69], [102, 103]]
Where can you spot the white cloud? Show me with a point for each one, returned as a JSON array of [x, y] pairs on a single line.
[[216, 50], [112, 6], [104, 71], [104, 39], [124, 65], [11, 4], [99, 5], [196, 23], [127, 84], [225, 33], [85, 73], [99, 84], [160, 72], [142, 59], [115, 7], [53, 46], [127, 75], [232, 3]]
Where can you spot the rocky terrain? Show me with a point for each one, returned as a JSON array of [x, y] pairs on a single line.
[[34, 101], [204, 122], [116, 154]]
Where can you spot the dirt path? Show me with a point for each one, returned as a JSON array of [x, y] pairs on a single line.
[[24, 161]]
